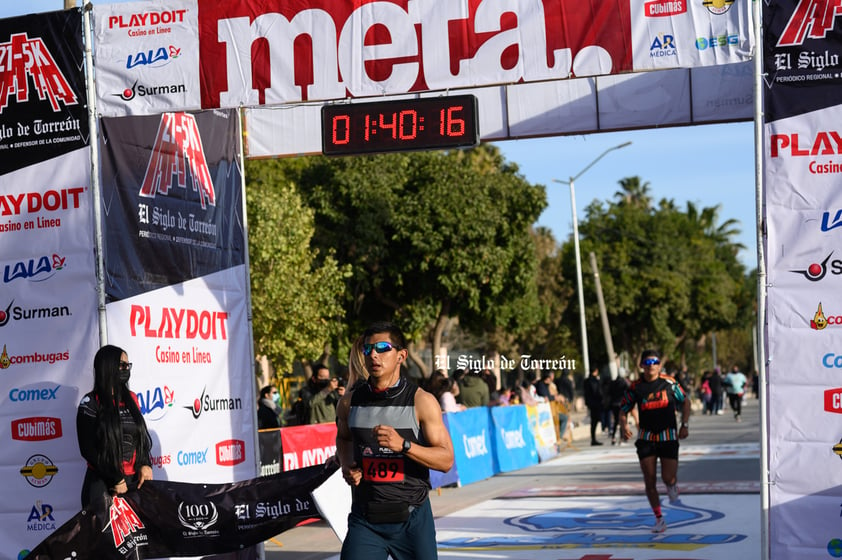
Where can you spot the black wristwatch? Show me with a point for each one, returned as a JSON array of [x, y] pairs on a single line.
[[685, 425], [406, 445]]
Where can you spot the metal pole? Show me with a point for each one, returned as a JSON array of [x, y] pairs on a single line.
[[582, 322], [765, 480], [603, 315]]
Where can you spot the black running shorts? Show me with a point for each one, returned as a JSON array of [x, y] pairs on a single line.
[[662, 449]]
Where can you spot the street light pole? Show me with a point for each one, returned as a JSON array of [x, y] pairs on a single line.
[[582, 323]]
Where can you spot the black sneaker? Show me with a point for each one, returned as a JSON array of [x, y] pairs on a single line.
[[594, 442]]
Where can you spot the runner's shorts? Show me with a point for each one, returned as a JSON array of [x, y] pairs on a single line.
[[662, 449]]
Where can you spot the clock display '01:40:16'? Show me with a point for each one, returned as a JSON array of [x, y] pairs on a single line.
[[403, 125]]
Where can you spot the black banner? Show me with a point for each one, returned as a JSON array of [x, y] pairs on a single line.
[[43, 101], [172, 519], [172, 199]]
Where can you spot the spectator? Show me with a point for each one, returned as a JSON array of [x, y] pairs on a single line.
[[323, 401], [473, 390], [546, 388], [319, 382], [268, 409], [593, 400], [616, 390], [564, 385], [447, 391]]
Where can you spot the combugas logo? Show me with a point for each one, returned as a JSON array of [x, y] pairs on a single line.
[[27, 63], [178, 146], [820, 321]]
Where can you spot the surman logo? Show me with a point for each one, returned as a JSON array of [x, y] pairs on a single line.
[[815, 271]]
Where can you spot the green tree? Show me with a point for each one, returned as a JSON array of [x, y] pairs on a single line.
[[668, 276], [429, 236], [295, 290]]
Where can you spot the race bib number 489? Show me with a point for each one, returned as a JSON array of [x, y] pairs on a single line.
[[383, 469]]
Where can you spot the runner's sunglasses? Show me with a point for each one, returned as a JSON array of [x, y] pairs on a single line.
[[650, 362], [379, 347]]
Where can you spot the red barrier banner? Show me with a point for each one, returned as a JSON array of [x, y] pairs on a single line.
[[305, 446]]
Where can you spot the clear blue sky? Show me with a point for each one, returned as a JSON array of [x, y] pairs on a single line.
[[709, 165]]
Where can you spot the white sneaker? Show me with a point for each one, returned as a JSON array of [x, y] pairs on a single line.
[[719, 412], [660, 525], [672, 492]]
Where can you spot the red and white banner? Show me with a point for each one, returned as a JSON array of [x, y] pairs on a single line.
[[161, 55], [48, 306], [176, 281], [803, 212], [305, 446]]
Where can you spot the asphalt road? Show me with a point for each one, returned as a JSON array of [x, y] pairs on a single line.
[[588, 503]]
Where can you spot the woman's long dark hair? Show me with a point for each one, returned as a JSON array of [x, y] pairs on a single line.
[[110, 393]]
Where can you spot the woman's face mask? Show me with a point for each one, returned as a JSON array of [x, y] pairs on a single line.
[[276, 396]]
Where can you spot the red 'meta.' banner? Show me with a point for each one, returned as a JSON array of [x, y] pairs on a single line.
[[159, 56]]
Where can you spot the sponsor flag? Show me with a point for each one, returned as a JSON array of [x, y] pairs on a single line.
[[176, 519]]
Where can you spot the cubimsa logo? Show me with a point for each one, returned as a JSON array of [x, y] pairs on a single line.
[[27, 63], [37, 428], [833, 400], [230, 452], [178, 146], [664, 8]]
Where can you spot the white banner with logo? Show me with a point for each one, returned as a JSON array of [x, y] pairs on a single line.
[[48, 335], [192, 374], [803, 207], [158, 55]]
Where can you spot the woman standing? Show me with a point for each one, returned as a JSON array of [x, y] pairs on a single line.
[[112, 434]]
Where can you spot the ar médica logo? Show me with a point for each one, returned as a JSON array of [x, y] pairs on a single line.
[[177, 155], [26, 63]]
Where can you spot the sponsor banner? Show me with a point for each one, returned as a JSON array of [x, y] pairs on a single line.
[[48, 336], [689, 33], [43, 101], [188, 346], [513, 442], [175, 519], [271, 452], [438, 478], [801, 51], [470, 431], [172, 199], [147, 57], [305, 446], [803, 210], [542, 424], [250, 52]]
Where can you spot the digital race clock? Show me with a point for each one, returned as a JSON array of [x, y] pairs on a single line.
[[407, 124]]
